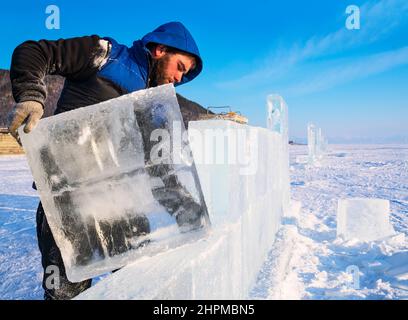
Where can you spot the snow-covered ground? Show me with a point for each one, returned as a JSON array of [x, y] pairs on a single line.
[[306, 262], [20, 259]]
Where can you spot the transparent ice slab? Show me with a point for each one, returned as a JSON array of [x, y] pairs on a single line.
[[116, 180]]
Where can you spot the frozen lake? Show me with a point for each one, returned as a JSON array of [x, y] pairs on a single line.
[[306, 262]]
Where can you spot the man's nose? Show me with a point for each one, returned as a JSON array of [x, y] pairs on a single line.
[[178, 76]]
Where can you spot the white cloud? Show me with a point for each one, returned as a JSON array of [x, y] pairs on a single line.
[[378, 19], [356, 69]]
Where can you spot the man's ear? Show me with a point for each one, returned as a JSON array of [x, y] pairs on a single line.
[[158, 51]]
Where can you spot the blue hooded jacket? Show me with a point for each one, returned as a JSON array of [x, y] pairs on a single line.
[[129, 67]]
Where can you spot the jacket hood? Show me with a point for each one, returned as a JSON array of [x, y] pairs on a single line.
[[176, 35]]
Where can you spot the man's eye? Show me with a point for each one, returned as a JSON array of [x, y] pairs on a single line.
[[181, 68]]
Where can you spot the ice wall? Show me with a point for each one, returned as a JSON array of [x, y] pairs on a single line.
[[244, 176]]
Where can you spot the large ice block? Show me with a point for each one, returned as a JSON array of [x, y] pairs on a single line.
[[317, 143], [311, 142], [116, 180], [277, 115], [364, 219], [278, 121]]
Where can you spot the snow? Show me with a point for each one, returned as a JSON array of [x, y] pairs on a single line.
[[20, 259], [307, 260]]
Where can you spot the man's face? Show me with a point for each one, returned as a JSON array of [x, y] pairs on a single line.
[[171, 67]]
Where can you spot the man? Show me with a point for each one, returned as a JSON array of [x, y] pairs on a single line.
[[95, 69]]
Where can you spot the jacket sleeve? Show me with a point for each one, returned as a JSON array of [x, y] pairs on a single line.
[[74, 58]]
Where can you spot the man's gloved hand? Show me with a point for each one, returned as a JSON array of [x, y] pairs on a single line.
[[29, 112]]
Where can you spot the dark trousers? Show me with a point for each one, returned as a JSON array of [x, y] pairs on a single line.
[[117, 235], [55, 282]]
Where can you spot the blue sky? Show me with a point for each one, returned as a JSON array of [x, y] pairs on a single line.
[[352, 83]]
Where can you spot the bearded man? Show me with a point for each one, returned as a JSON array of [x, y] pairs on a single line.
[[95, 69]]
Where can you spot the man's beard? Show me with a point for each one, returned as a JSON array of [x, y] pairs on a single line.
[[158, 75]]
